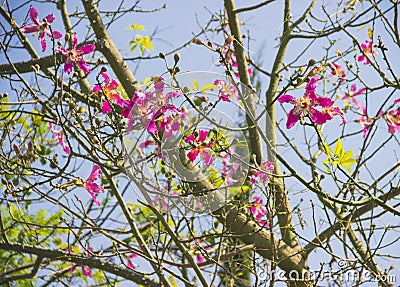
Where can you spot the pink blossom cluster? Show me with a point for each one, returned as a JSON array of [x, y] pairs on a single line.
[[306, 106], [367, 50], [261, 173], [392, 118], [91, 186], [154, 109], [129, 259], [259, 211], [199, 144], [41, 27], [199, 257], [85, 270], [230, 57], [226, 91], [229, 167], [72, 55], [337, 71], [59, 135]]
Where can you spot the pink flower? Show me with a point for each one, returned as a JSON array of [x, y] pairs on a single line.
[[365, 121], [199, 145], [353, 92], [90, 184], [229, 167], [41, 26], [332, 111], [259, 210], [60, 139], [74, 56], [367, 49], [85, 270], [261, 173], [130, 264], [226, 91], [337, 71], [305, 106], [154, 110], [199, 257], [393, 119], [109, 90]]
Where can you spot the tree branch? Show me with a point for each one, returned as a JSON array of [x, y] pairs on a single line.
[[107, 47], [106, 266]]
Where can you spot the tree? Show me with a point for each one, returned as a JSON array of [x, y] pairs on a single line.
[[254, 174]]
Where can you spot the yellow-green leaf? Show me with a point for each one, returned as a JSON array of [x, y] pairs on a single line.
[[195, 85], [136, 27], [370, 33], [328, 150], [207, 87], [339, 152]]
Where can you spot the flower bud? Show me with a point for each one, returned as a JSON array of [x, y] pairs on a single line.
[[17, 151], [229, 40], [311, 62], [161, 55], [177, 58], [67, 37], [31, 151], [197, 41]]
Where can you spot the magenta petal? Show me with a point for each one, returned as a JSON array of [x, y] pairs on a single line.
[[50, 18], [57, 35], [325, 102], [113, 85], [360, 58], [207, 158], [105, 109], [34, 15], [130, 265], [318, 117], [193, 154], [83, 66], [86, 271], [152, 128], [86, 49], [190, 139], [146, 144], [29, 29], [287, 99], [72, 269], [202, 135], [200, 258], [126, 113], [106, 78], [68, 67], [74, 41], [96, 89], [292, 118], [61, 50], [95, 173], [66, 148], [43, 42]]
